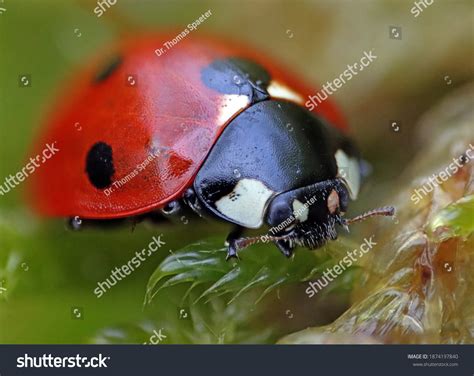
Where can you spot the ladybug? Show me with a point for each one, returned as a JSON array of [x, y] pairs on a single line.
[[206, 126]]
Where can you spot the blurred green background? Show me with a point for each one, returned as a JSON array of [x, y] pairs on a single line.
[[47, 270]]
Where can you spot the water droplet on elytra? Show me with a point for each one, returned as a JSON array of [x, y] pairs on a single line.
[[237, 80]]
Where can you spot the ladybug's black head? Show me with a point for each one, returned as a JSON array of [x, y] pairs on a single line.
[[308, 216]]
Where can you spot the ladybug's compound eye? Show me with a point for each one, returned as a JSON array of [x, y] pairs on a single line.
[[280, 213], [171, 208]]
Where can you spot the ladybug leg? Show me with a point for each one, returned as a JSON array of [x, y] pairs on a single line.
[[172, 208], [75, 223], [191, 200], [231, 240], [285, 247]]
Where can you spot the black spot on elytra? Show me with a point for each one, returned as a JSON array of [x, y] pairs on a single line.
[[108, 69], [100, 165], [237, 76]]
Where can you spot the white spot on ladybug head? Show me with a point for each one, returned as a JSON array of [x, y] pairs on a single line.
[[278, 90], [230, 105], [300, 210], [246, 203], [333, 202], [349, 171]]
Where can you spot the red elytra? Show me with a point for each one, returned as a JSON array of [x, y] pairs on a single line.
[[148, 104]]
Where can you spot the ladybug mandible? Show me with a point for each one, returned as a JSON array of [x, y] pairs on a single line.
[[208, 126]]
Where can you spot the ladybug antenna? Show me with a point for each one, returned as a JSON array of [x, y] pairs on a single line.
[[243, 243], [388, 211]]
